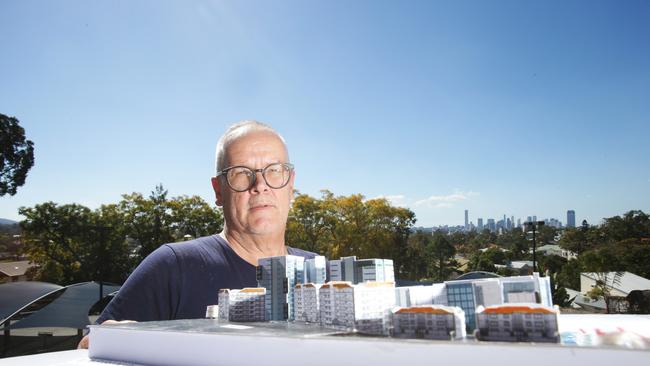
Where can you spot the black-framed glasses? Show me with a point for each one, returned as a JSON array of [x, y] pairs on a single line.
[[241, 178]]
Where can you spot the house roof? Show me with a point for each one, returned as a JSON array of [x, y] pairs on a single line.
[[521, 264], [428, 309], [253, 289], [587, 303], [14, 269], [626, 283], [549, 247], [476, 275], [519, 308]]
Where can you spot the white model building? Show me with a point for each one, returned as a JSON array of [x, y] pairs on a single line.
[[407, 296], [279, 275], [224, 302], [362, 270], [469, 294], [342, 269], [315, 270], [429, 322], [242, 305], [517, 323], [305, 299], [380, 270], [364, 307]]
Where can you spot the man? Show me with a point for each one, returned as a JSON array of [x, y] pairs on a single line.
[[254, 185]]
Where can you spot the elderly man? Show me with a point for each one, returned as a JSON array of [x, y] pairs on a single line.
[[254, 185]]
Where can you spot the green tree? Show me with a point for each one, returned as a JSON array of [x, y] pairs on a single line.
[[16, 155], [580, 240], [515, 241], [72, 244], [308, 224], [193, 216], [338, 226], [148, 220], [417, 261], [478, 241], [568, 275], [486, 260], [442, 252], [545, 235], [633, 224]]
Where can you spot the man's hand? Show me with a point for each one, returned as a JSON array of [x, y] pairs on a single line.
[[86, 340]]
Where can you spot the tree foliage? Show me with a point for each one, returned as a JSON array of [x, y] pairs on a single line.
[[338, 226], [72, 243], [16, 155], [621, 243]]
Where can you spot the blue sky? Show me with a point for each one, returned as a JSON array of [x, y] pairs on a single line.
[[499, 107]]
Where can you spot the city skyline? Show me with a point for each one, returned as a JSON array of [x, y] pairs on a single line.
[[510, 222], [511, 107]]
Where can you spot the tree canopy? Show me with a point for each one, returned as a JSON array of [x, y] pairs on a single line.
[[72, 243], [338, 226], [16, 155]]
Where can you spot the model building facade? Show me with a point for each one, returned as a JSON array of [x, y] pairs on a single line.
[[306, 304], [517, 323], [356, 270], [429, 322], [242, 305], [315, 270], [278, 275], [365, 307]]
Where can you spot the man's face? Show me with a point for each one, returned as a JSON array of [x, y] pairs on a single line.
[[261, 210]]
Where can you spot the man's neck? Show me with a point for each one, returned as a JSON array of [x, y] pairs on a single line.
[[253, 247]]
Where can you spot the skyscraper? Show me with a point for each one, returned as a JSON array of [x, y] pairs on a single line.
[[491, 225], [466, 220], [480, 224], [570, 218]]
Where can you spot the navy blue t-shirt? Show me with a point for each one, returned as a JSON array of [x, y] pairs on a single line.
[[178, 281]]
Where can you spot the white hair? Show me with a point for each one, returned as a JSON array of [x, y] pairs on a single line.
[[236, 131]]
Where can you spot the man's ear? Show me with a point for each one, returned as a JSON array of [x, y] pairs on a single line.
[[216, 185]]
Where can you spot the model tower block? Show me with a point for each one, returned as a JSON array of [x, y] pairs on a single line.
[[365, 307], [279, 275], [245, 305], [315, 270], [305, 300], [224, 302], [429, 322], [518, 323]]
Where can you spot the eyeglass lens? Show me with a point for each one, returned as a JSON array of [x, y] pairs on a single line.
[[275, 175]]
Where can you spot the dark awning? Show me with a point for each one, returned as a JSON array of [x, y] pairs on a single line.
[[69, 310], [16, 295]]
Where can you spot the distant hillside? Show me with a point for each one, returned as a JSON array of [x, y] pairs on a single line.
[[7, 222]]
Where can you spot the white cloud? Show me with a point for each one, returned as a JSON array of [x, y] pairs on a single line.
[[443, 205], [446, 201], [395, 200]]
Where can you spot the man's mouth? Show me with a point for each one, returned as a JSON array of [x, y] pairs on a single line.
[[261, 206]]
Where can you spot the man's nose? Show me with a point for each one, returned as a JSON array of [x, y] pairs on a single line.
[[260, 183]]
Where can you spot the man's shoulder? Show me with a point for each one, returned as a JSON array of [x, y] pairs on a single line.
[[200, 248], [211, 241]]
